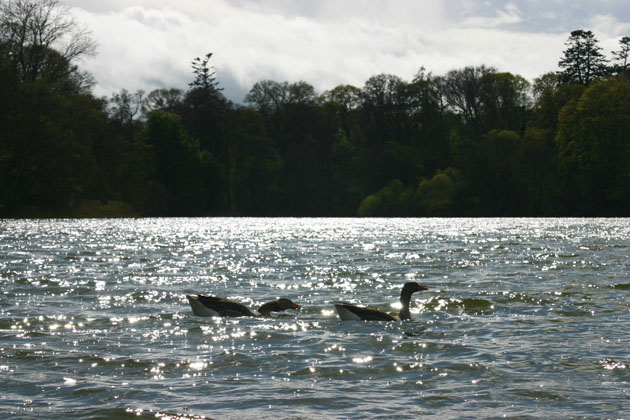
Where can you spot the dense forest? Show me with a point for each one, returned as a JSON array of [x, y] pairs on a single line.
[[475, 141]]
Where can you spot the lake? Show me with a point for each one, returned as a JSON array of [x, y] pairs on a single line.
[[524, 318]]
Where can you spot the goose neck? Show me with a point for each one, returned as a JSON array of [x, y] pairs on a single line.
[[266, 308]]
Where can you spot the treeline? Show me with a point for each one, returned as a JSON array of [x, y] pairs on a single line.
[[471, 142]]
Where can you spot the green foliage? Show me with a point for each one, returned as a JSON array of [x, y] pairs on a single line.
[[536, 170], [406, 162], [257, 165], [474, 142], [267, 96], [204, 75], [551, 97], [96, 208], [488, 166], [436, 196], [486, 99], [432, 197], [583, 61], [31, 29], [622, 56], [190, 176], [463, 92], [47, 147], [342, 99], [169, 100], [594, 150], [392, 200]]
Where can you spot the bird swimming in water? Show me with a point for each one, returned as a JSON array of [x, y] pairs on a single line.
[[348, 311], [205, 305]]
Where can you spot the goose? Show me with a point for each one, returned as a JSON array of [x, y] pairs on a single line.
[[204, 305], [348, 311]]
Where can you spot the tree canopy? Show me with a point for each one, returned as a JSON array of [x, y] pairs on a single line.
[[583, 60], [475, 141]]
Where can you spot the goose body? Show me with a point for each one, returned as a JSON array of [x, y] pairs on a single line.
[[351, 312], [205, 305]]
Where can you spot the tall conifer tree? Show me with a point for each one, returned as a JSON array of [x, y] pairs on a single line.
[[583, 60]]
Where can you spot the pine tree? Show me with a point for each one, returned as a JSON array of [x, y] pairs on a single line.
[[583, 61], [204, 75], [623, 55]]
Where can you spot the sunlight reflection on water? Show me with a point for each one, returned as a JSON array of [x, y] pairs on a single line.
[[524, 317]]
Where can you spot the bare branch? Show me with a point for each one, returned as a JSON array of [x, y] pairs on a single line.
[[32, 28]]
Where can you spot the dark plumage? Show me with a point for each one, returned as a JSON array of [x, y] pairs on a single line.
[[348, 311], [204, 305]]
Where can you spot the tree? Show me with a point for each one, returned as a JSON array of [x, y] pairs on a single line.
[[301, 93], [341, 101], [162, 99], [488, 169], [204, 75], [124, 110], [379, 122], [46, 156], [342, 98], [506, 101], [206, 117], [393, 200], [31, 29], [256, 163], [427, 125], [436, 196], [189, 175], [268, 96], [46, 150], [583, 61], [623, 55], [536, 168], [549, 97], [463, 91], [594, 150], [125, 106]]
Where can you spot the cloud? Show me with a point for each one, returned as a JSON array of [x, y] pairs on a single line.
[[326, 43], [609, 30], [139, 48], [376, 11], [510, 15], [608, 26]]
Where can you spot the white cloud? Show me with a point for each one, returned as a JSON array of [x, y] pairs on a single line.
[[326, 43], [609, 31], [608, 26], [510, 15]]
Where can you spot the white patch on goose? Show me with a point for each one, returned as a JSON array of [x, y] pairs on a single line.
[[199, 308], [345, 314]]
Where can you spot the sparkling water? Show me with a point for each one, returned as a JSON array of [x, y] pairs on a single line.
[[524, 318]]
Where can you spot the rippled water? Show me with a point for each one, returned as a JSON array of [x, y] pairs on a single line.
[[525, 318]]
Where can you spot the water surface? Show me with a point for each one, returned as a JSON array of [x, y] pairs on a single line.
[[525, 318]]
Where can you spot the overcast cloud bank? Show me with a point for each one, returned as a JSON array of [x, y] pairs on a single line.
[[149, 44]]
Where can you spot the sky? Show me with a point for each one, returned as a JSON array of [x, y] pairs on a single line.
[[149, 44]]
